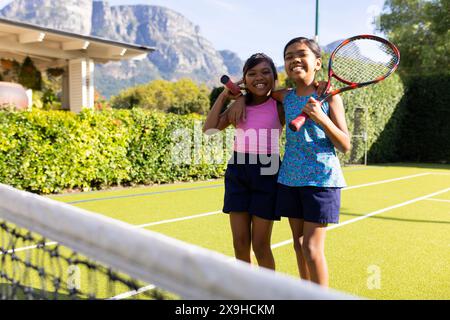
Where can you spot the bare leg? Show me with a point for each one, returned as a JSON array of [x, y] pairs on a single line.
[[261, 233], [240, 223], [297, 236], [314, 251]]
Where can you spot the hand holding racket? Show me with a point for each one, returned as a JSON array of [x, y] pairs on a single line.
[[234, 113], [357, 62], [313, 110], [233, 87]]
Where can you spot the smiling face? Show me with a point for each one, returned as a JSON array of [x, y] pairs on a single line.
[[300, 63], [260, 80]]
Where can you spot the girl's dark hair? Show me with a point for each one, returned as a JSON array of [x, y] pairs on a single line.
[[312, 45], [254, 60]]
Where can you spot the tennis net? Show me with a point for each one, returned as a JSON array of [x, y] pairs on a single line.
[[51, 250]]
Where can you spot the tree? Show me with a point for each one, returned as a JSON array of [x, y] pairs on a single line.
[[189, 97], [214, 94], [421, 30], [181, 97]]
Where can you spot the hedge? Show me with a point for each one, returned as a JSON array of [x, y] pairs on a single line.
[[49, 151], [381, 101], [419, 130]]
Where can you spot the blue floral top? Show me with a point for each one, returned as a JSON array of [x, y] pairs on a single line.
[[310, 158]]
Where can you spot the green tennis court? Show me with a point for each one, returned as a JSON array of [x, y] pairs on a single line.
[[392, 241]]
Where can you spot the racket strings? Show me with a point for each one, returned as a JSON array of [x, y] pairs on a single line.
[[364, 60]]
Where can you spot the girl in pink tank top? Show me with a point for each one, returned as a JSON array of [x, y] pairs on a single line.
[[260, 133], [251, 175]]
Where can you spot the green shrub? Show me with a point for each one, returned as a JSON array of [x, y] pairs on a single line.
[[426, 129], [49, 151], [418, 131], [381, 101]]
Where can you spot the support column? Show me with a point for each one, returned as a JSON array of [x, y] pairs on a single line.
[[65, 98], [90, 83], [81, 84]]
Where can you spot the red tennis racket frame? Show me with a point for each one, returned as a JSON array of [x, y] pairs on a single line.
[[300, 120]]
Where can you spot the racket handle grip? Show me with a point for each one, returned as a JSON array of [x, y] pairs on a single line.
[[298, 122], [234, 88]]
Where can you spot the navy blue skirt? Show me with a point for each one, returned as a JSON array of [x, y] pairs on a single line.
[[251, 185]]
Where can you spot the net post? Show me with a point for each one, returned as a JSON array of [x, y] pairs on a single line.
[[360, 129], [366, 125]]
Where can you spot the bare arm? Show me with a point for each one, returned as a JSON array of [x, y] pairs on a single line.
[[338, 131], [223, 120], [236, 112], [335, 126], [216, 120], [281, 114], [279, 94]]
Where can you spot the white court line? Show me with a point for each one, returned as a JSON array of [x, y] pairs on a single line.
[[217, 212], [132, 293], [386, 181], [441, 200], [280, 244], [29, 247], [177, 219]]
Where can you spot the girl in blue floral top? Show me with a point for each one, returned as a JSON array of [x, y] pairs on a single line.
[[310, 177]]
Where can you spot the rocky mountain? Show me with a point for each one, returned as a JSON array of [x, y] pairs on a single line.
[[329, 48], [232, 61], [181, 51], [67, 15]]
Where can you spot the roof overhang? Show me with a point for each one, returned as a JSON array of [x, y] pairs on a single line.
[[52, 48]]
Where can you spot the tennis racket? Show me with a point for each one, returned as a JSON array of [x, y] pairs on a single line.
[[357, 62]]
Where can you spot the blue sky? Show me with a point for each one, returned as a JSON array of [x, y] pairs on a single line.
[[249, 26]]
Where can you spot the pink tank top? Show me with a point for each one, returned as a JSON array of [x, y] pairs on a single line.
[[260, 133]]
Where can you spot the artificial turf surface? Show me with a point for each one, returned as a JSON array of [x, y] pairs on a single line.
[[401, 253]]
